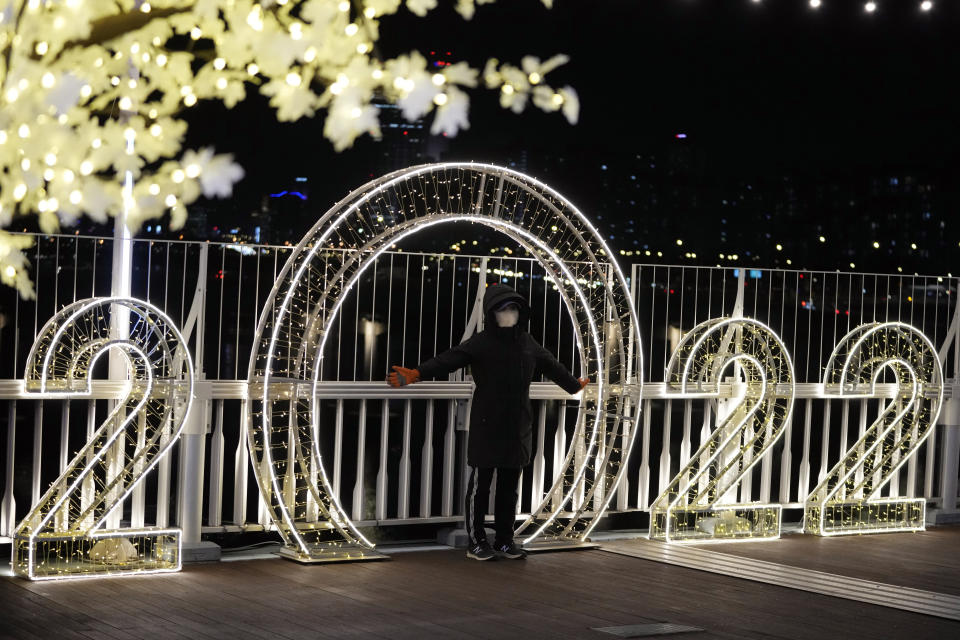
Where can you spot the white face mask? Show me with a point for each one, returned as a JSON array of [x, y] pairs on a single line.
[[508, 317]]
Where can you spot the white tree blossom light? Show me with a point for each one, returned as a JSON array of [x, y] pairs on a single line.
[[91, 91]]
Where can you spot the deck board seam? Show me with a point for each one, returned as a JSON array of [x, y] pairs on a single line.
[[835, 585]]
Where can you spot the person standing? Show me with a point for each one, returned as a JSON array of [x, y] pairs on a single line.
[[503, 359]]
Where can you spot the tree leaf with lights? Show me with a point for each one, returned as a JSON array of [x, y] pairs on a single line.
[[93, 94]]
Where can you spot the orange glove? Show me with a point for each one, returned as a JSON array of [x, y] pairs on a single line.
[[583, 382], [402, 376]]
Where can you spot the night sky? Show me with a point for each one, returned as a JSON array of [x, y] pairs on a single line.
[[761, 90], [774, 82]]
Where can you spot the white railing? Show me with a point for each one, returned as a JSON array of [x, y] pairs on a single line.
[[396, 456]]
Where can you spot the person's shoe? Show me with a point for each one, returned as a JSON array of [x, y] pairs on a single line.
[[481, 551], [510, 550]]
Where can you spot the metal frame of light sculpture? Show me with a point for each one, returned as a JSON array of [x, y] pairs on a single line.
[[847, 500], [697, 505], [61, 537], [284, 372]]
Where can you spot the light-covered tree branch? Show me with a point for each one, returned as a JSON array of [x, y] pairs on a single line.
[[93, 95]]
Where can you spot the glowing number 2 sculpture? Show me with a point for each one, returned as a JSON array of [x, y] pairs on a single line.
[[284, 374], [701, 501], [62, 535], [847, 500]]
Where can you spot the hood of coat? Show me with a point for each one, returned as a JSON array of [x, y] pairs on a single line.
[[496, 296]]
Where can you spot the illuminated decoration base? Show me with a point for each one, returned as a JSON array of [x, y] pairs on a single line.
[[63, 536], [848, 500], [103, 553], [700, 502], [325, 554], [285, 374], [720, 523], [874, 516]]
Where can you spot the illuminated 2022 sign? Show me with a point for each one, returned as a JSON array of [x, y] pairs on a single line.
[[63, 535]]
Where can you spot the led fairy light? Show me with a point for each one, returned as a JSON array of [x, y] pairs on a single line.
[[143, 397], [847, 500], [699, 503], [356, 225], [571, 276], [524, 238], [67, 530]]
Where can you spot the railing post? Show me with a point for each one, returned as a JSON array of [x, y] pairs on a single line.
[[119, 367], [192, 446], [193, 440], [950, 423], [949, 459], [8, 508]]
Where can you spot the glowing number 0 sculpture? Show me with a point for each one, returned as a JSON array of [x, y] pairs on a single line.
[[847, 500], [701, 502], [62, 536], [284, 373]]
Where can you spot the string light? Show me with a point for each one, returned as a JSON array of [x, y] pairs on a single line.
[[552, 229], [62, 536], [700, 502], [869, 7], [847, 501]]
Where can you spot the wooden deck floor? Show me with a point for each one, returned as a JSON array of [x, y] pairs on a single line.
[[928, 560], [440, 594]]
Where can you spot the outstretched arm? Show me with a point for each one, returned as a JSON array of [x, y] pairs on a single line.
[[441, 364], [558, 373]]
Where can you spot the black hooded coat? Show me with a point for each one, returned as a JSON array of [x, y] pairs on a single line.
[[503, 361]]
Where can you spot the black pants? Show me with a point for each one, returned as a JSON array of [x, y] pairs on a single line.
[[505, 503]]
